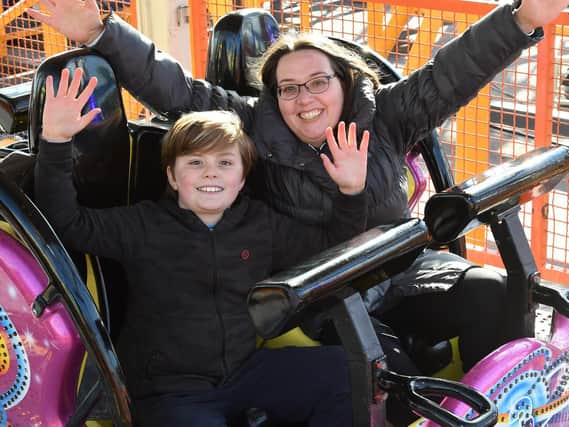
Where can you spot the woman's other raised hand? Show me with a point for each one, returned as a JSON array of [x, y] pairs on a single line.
[[78, 20], [537, 13]]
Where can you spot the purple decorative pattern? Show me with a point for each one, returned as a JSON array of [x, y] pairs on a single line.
[[527, 379], [43, 355]]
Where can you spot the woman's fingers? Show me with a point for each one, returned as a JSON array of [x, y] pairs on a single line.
[[331, 139], [352, 135], [345, 145], [342, 142], [328, 165], [365, 142], [92, 4]]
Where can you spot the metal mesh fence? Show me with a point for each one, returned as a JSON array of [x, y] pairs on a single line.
[[24, 42]]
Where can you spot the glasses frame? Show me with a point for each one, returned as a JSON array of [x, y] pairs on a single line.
[[328, 77]]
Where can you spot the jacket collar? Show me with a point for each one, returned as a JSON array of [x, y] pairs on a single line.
[[231, 217]]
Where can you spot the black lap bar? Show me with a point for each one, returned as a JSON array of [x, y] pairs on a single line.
[[459, 209], [275, 303]]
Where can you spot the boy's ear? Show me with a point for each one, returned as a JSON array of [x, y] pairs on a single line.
[[171, 179]]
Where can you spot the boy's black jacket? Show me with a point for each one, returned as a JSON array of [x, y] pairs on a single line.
[[187, 326]]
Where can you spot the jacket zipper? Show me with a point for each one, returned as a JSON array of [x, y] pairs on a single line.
[[217, 308]]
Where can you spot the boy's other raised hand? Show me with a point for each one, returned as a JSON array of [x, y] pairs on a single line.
[[349, 166], [78, 20], [62, 118]]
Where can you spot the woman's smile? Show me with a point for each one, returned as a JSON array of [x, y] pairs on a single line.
[[310, 115]]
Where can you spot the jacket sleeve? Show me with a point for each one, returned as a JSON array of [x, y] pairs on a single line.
[[294, 241], [412, 107], [158, 80], [108, 232]]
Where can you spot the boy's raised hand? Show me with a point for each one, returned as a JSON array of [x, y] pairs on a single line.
[[349, 166], [62, 118], [78, 20]]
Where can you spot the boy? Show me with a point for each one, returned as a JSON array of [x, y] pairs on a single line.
[[188, 345]]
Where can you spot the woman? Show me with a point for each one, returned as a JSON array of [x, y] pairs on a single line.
[[310, 84]]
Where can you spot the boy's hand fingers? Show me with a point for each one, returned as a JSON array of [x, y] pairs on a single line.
[[75, 83], [49, 88], [63, 83], [88, 118], [88, 91]]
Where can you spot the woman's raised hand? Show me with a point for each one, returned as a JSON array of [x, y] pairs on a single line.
[[78, 20], [537, 13], [349, 166], [62, 118]]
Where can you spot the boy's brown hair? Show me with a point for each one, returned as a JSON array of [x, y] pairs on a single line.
[[204, 131]]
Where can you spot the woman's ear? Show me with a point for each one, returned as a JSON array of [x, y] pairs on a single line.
[[171, 178]]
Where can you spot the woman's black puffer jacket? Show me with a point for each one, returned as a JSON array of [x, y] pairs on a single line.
[[290, 176]]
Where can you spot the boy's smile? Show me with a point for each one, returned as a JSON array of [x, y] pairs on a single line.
[[208, 183], [210, 189]]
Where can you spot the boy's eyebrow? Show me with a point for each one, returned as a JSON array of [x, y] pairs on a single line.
[[221, 153]]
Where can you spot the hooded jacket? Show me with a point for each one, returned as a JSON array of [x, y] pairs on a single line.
[[290, 176], [186, 326]]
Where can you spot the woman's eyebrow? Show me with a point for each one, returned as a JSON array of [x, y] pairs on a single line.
[[315, 74]]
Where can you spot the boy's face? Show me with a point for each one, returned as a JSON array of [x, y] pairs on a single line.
[[208, 183]]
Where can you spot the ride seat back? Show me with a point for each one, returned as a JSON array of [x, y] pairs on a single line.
[[148, 178], [101, 153], [14, 108], [101, 159]]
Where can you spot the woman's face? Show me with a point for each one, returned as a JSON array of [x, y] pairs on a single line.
[[309, 114]]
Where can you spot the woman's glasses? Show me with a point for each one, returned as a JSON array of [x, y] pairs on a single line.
[[316, 85]]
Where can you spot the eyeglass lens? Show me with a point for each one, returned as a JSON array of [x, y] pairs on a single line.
[[314, 86]]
